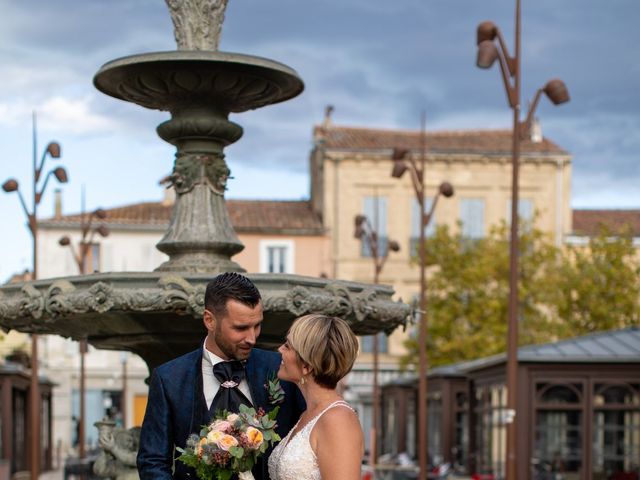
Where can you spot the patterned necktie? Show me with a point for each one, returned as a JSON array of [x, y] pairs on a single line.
[[229, 396]]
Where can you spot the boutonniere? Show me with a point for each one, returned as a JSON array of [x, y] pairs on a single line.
[[275, 391]]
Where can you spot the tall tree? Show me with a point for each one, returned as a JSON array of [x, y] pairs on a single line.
[[600, 285], [562, 293], [468, 288]]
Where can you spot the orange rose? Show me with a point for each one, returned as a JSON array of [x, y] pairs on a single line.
[[255, 437], [226, 442]]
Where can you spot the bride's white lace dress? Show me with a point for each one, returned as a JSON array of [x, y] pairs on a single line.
[[293, 458]]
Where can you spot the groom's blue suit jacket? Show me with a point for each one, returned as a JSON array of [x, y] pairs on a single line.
[[176, 408]]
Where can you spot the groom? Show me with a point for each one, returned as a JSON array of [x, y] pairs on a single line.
[[184, 393]]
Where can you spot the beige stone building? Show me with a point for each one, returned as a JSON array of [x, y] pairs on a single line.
[[350, 175], [279, 237]]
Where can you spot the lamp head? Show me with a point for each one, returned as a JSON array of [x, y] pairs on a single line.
[[100, 213], [64, 241], [359, 223], [446, 189], [61, 174], [54, 149], [486, 31], [103, 231], [487, 54], [557, 91], [394, 246], [399, 167], [399, 153], [10, 185]]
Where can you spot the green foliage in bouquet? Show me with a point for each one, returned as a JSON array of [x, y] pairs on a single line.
[[231, 443]]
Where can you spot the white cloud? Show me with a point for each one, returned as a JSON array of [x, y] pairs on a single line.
[[58, 114], [73, 116]]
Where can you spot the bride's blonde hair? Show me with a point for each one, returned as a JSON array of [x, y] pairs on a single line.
[[326, 345]]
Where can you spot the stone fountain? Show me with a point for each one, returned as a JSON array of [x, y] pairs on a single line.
[[157, 315]]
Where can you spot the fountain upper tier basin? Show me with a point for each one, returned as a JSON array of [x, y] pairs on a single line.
[[158, 315], [179, 79]]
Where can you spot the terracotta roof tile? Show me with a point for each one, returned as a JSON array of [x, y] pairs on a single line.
[[588, 222], [455, 141], [246, 216]]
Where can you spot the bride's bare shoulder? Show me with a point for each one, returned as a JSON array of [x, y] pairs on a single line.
[[338, 420]]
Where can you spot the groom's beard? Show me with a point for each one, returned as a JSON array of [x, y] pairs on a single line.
[[231, 351]]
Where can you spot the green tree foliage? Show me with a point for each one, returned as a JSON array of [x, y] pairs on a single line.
[[561, 292], [600, 285]]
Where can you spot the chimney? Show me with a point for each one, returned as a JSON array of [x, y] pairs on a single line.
[[57, 204], [319, 132], [328, 110], [535, 133]]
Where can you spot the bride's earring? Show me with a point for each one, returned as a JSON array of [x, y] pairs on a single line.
[[302, 380]]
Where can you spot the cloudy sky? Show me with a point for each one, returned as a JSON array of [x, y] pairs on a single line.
[[378, 62]]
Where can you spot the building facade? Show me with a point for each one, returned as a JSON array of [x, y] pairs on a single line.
[[578, 411]]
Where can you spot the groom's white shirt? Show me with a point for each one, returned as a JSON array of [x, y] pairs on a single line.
[[210, 383]]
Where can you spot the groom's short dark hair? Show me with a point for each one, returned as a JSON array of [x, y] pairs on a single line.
[[230, 286]]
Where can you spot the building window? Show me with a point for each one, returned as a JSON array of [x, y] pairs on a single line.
[[375, 209], [461, 437], [92, 260], [19, 439], [99, 404], [434, 422], [415, 225], [367, 343], [412, 422], [491, 431], [45, 430], [472, 217], [525, 210], [616, 430], [558, 429], [390, 421], [276, 256]]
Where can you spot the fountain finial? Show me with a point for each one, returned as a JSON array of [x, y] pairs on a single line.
[[197, 23]]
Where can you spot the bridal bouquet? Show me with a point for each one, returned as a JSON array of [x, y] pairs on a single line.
[[231, 444]]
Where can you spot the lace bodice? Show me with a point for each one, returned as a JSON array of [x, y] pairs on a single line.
[[293, 458]]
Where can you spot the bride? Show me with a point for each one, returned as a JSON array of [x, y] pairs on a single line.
[[327, 442]]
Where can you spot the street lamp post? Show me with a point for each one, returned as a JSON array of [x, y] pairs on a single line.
[[488, 52], [401, 163], [365, 232], [11, 185], [88, 231]]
